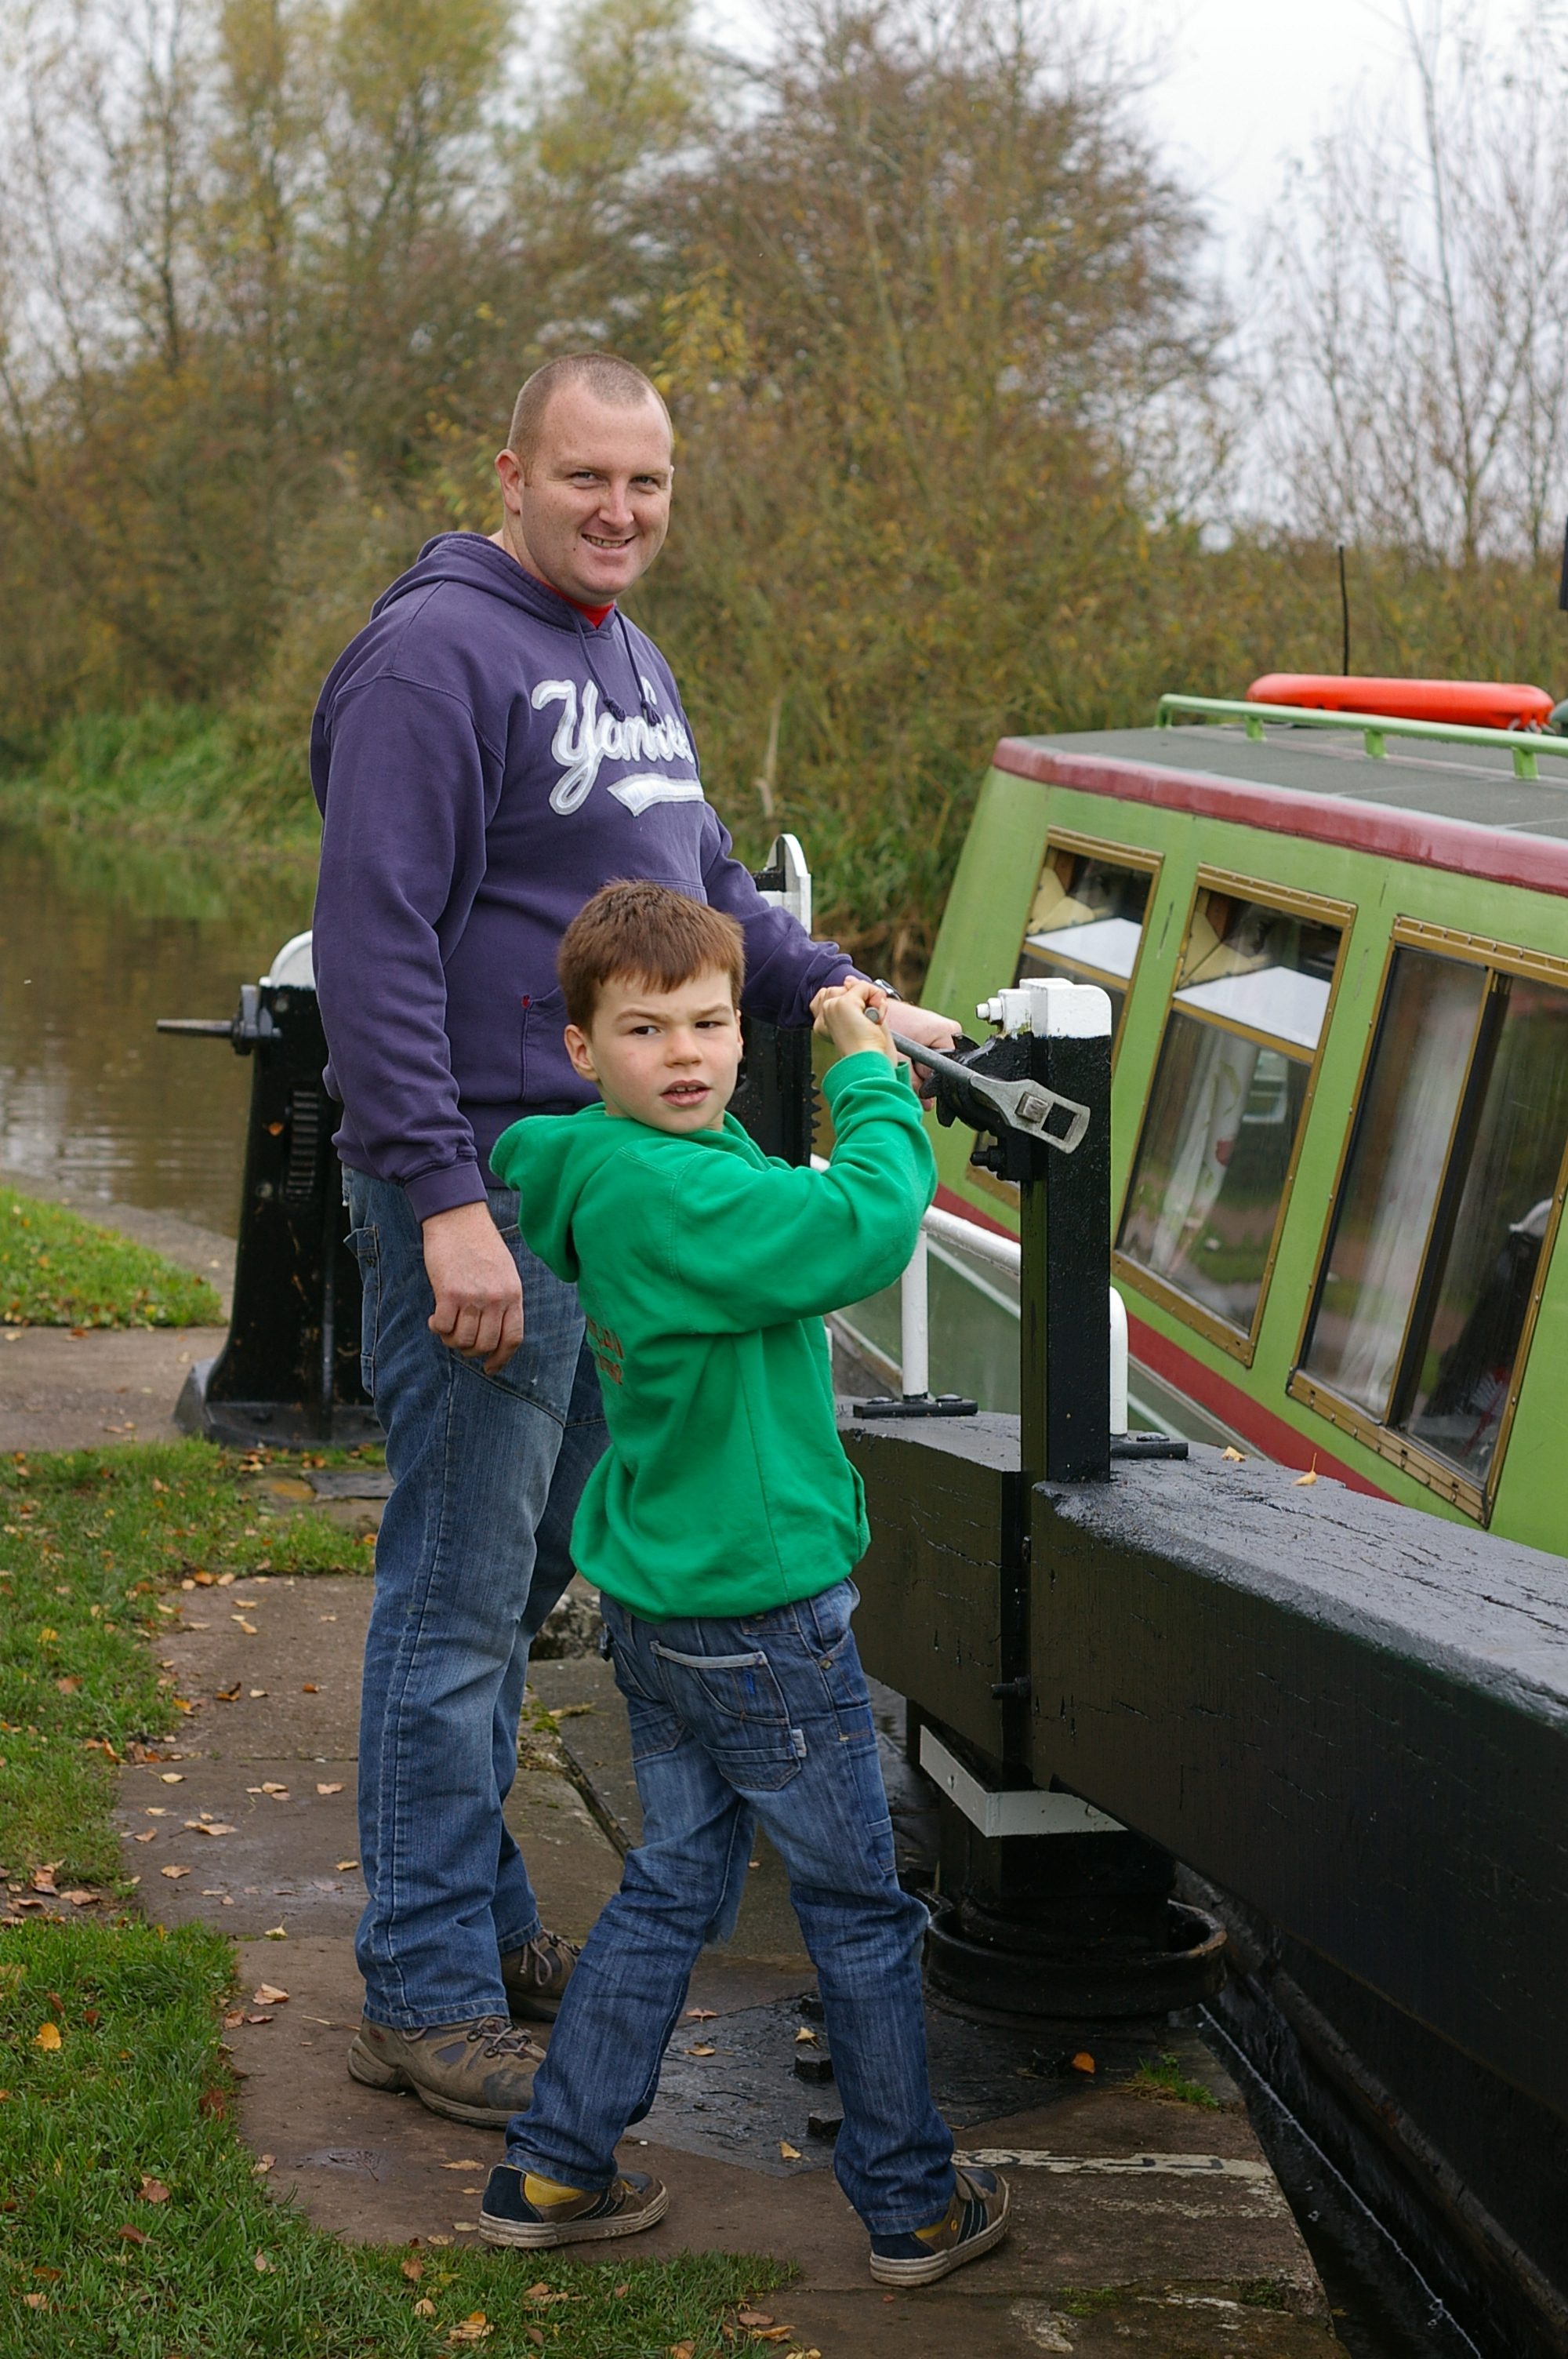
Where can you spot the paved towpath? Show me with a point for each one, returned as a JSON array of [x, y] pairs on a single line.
[[1141, 2226], [65, 1391]]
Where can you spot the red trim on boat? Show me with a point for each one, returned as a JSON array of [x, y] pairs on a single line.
[[1200, 1383], [1234, 1408], [1502, 856]]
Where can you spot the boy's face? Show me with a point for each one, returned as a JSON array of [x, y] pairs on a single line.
[[668, 1058]]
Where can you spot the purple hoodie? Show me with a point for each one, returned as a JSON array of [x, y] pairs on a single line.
[[485, 760]]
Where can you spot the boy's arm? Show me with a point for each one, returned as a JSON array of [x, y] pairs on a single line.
[[754, 1249]]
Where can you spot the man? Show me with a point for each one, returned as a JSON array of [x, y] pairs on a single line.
[[493, 746]]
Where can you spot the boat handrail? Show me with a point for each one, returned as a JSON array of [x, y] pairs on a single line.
[[1375, 727], [1002, 1252]]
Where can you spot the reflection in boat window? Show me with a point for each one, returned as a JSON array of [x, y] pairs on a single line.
[[1087, 922], [1220, 1137], [1446, 1205]]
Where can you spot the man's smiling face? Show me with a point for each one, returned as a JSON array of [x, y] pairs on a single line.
[[668, 1058], [589, 510]]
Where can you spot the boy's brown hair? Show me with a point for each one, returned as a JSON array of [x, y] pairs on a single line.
[[636, 931]]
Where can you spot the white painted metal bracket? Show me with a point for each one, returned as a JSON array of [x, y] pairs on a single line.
[[1022, 1810]]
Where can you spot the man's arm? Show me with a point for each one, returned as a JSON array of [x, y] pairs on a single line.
[[786, 972], [402, 856]]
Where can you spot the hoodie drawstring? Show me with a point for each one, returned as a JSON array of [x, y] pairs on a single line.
[[612, 703]]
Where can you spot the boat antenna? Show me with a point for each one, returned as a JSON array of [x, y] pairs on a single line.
[[1345, 607]]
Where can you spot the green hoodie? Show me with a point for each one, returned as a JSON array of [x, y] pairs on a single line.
[[704, 1268]]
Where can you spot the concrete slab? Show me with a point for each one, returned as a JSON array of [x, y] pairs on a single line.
[[58, 1391]]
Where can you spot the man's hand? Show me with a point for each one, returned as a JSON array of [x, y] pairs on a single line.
[[479, 1294], [840, 1012]]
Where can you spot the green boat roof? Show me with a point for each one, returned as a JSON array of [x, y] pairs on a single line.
[[1466, 782]]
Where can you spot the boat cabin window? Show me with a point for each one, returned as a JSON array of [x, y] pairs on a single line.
[[1087, 922], [1214, 1164], [1422, 1308]]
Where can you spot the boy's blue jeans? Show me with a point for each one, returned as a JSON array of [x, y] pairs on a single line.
[[474, 1551], [765, 1718]]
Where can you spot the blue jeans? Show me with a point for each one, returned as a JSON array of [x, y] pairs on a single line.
[[474, 1549], [762, 1719]]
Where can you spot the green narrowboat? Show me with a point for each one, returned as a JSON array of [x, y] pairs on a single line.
[[1338, 949]]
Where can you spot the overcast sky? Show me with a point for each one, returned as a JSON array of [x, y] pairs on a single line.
[[1247, 83]]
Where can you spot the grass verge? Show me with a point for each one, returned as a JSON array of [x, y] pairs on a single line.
[[58, 1270], [89, 1540], [134, 2224]]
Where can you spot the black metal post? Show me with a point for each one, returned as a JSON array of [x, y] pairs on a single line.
[[1065, 1232]]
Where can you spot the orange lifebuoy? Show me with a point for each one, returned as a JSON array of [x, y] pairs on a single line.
[[1475, 703]]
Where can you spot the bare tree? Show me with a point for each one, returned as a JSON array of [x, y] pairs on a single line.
[[1414, 303]]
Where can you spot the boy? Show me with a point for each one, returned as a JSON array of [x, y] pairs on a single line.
[[721, 1527]]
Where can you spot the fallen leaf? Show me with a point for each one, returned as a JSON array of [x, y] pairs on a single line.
[[273, 1933], [272, 1787], [258, 1692], [36, 2301], [413, 2271], [438, 2240], [344, 1865], [248, 1628], [805, 2037], [475, 2328], [174, 1874], [82, 1899], [462, 2166], [68, 1686], [423, 2308], [261, 2164], [46, 2035], [1083, 2062], [1310, 1476], [150, 1836], [227, 1695], [171, 1776], [621, 2291], [310, 1689], [683, 2351], [700, 2015], [465, 2227], [43, 1881], [535, 2335], [330, 1790], [153, 2190], [1235, 1457], [210, 1826], [131, 2236], [259, 2261], [790, 2153], [702, 2051], [755, 2318], [232, 2019], [259, 2018]]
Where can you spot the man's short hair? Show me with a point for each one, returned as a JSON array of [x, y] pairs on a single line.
[[636, 931], [617, 382]]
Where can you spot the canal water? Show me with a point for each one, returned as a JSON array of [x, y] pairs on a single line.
[[93, 952]]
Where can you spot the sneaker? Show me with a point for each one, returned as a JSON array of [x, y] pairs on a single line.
[[521, 2209], [536, 1975], [481, 2072], [974, 2221]]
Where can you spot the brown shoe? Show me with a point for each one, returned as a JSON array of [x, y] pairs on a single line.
[[481, 2072], [536, 1976]]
